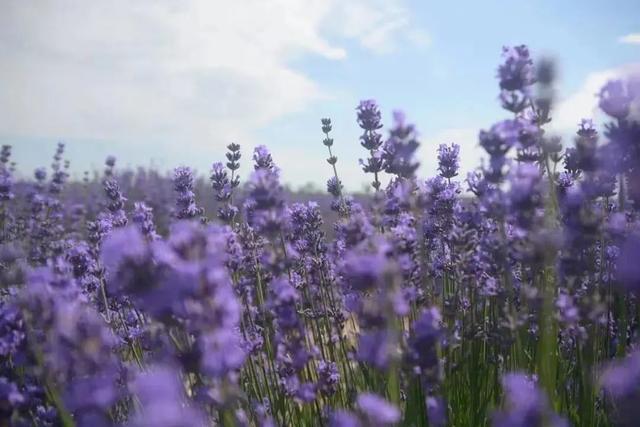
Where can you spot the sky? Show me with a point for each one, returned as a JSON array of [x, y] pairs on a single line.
[[163, 83]]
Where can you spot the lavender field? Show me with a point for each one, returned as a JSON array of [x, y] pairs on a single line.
[[505, 298]]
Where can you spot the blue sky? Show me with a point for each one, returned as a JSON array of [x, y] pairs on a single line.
[[155, 83]]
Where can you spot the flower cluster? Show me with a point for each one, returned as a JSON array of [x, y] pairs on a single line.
[[137, 299]]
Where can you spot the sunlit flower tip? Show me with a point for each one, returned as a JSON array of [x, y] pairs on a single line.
[[369, 115], [586, 128], [262, 158]]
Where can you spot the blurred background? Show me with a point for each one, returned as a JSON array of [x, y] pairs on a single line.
[[162, 83]]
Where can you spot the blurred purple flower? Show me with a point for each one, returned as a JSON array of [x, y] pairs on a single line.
[[377, 409]]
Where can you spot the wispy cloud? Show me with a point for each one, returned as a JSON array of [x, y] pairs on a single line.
[[633, 38], [377, 25]]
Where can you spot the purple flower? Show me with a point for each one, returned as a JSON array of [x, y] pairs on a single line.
[[160, 393], [9, 394], [223, 186], [183, 183], [265, 203], [502, 136], [436, 411], [567, 312], [116, 202], [516, 76], [628, 271], [369, 120], [377, 409], [110, 161], [525, 194], [233, 161], [448, 160], [399, 150], [12, 331], [334, 186], [344, 419], [123, 246], [525, 405], [284, 302], [376, 348], [143, 218], [615, 99], [364, 272], [517, 71], [5, 155], [369, 116], [219, 181], [586, 129], [622, 378], [6, 184], [221, 350], [326, 126], [306, 392], [328, 377], [59, 176], [262, 158], [427, 335], [40, 174]]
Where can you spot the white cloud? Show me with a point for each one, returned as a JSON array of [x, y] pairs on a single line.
[[202, 72], [633, 38], [584, 102]]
